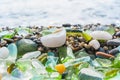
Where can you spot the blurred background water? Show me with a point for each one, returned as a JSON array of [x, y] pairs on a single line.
[[55, 12]]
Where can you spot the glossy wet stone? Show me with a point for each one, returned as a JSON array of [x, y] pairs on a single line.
[[66, 25], [104, 55], [101, 49], [95, 44], [54, 40], [113, 42], [101, 35], [114, 51], [9, 40], [117, 34], [25, 45]]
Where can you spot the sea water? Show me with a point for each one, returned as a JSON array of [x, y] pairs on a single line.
[[56, 12]]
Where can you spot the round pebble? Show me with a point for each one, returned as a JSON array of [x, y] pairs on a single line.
[[54, 40], [95, 44], [101, 35], [113, 42]]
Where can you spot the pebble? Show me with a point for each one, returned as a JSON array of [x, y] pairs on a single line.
[[25, 45], [101, 35], [66, 25], [101, 49], [9, 40], [104, 55], [54, 40], [114, 51], [113, 42], [3, 43], [117, 34], [95, 44]]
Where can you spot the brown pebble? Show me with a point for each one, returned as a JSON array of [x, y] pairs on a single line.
[[40, 49], [82, 44], [71, 38], [75, 48], [3, 43], [105, 55], [9, 40], [87, 46], [105, 48], [81, 39]]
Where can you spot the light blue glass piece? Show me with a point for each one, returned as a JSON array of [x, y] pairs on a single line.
[[12, 50], [23, 32], [51, 62], [118, 48], [77, 61], [51, 54], [17, 73], [37, 78], [4, 33], [24, 65], [31, 55]]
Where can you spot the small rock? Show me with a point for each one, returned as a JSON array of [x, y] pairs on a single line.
[[25, 45], [95, 44], [3, 43], [113, 42], [104, 55], [114, 51], [54, 40], [117, 34], [101, 35], [81, 39], [9, 40], [66, 25], [101, 49], [87, 46], [105, 48]]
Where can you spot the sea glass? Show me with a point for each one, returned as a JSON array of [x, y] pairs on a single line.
[[4, 53], [12, 51]]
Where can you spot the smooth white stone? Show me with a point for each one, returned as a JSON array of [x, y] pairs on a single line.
[[101, 35], [95, 44], [54, 40], [4, 53]]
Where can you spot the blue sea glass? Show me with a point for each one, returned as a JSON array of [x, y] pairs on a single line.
[[12, 50]]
